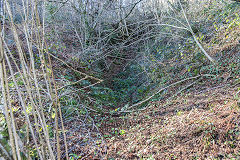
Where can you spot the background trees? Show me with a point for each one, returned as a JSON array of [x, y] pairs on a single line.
[[67, 66]]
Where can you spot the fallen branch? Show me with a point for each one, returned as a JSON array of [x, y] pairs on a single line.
[[188, 86], [194, 36], [162, 89]]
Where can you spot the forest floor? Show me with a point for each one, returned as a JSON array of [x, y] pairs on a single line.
[[201, 123]]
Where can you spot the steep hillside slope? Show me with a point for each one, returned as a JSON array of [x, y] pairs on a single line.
[[201, 124]]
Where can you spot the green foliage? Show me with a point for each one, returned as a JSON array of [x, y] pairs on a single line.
[[51, 8], [4, 137], [116, 132], [126, 86], [73, 156]]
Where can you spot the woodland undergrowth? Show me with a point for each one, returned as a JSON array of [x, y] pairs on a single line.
[[109, 80]]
